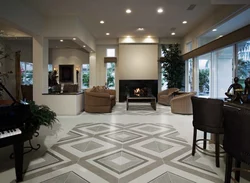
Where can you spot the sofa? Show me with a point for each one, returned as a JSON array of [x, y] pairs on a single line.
[[99, 100], [181, 103], [165, 96]]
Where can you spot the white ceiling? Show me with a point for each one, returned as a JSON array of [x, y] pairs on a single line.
[[120, 24], [66, 44]]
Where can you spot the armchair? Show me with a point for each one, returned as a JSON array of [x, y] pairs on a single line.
[[181, 104], [164, 97], [100, 101]]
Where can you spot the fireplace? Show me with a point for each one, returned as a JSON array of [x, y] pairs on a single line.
[[137, 88]]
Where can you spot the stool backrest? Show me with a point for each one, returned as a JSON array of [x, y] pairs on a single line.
[[245, 135], [232, 131], [207, 114]]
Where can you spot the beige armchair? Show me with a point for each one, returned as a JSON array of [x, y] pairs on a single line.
[[99, 102], [164, 97], [181, 104]]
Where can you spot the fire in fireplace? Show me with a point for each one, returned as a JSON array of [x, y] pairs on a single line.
[[141, 92], [127, 87]]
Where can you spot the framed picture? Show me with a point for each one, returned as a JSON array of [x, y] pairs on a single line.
[[66, 73]]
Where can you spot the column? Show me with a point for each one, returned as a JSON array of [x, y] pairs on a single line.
[[40, 68]]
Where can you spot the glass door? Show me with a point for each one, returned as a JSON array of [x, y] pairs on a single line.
[[204, 75]]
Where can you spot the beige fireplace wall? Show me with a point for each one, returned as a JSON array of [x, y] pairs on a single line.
[[138, 61]]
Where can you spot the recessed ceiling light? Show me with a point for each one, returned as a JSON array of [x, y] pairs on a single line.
[[61, 40], [184, 22], [107, 34], [173, 33], [101, 22], [84, 46], [140, 29], [160, 10], [74, 38], [128, 11], [214, 30]]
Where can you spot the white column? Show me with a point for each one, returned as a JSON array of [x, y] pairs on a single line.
[[92, 70], [40, 68]]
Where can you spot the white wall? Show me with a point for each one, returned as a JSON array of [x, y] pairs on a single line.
[[138, 61], [69, 56]]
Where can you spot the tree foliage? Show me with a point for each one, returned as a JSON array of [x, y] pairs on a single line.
[[110, 75], [173, 66], [204, 80]]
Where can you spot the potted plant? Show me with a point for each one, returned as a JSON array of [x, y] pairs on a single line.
[[40, 115], [173, 66]]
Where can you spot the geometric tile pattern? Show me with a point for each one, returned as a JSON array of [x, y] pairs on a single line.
[[169, 177], [139, 109], [122, 136], [121, 152], [120, 161]]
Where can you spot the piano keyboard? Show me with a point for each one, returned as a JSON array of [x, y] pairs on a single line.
[[8, 133]]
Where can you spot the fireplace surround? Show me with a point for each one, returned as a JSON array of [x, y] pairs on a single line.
[[128, 87]]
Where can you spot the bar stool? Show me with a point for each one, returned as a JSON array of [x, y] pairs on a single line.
[[207, 117], [236, 140]]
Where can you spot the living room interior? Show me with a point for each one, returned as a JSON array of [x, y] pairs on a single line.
[[99, 54]]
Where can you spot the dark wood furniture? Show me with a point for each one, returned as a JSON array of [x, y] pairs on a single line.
[[135, 98], [207, 117]]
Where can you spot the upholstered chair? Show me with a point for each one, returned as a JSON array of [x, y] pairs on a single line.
[[181, 104], [207, 117], [165, 96]]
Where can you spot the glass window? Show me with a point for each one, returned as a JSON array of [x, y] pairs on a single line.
[[190, 75], [85, 76], [164, 82], [189, 47], [26, 73], [203, 63], [50, 67], [110, 75], [110, 52], [222, 75], [243, 61]]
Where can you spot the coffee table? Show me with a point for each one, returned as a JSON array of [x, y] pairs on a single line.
[[149, 98]]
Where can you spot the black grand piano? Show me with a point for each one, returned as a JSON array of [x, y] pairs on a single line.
[[12, 125]]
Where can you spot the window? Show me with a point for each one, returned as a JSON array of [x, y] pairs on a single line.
[[189, 47], [222, 75], [203, 63], [26, 73], [110, 52], [110, 75], [164, 83], [243, 61], [85, 76], [189, 75], [50, 67]]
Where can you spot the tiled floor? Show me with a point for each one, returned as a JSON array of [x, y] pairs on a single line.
[[139, 145]]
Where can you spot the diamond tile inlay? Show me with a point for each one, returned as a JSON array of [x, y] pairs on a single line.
[[87, 146], [121, 160], [123, 136], [157, 146], [150, 129], [126, 161]]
